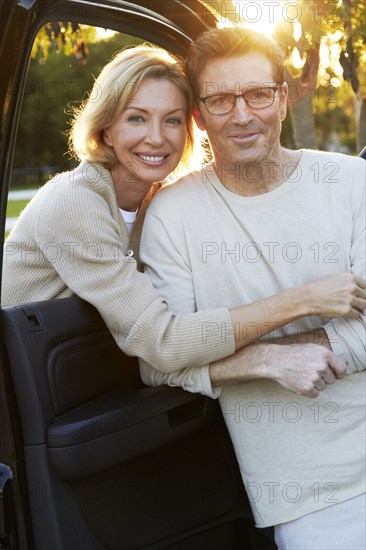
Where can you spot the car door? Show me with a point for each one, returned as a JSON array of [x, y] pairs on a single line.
[[90, 457]]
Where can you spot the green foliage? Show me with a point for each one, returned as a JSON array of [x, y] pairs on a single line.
[[320, 18], [337, 85], [336, 129], [14, 208], [68, 37]]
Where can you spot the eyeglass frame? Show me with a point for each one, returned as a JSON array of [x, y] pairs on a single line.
[[236, 96]]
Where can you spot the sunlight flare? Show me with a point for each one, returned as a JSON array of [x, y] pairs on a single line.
[[265, 15]]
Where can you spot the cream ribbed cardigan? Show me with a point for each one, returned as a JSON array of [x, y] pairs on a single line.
[[72, 239]]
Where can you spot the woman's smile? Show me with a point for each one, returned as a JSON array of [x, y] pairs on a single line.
[[152, 159]]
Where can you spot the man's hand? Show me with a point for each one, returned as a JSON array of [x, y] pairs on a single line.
[[336, 296], [305, 369]]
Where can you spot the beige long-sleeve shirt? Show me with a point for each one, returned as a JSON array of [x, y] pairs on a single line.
[[72, 239], [205, 246]]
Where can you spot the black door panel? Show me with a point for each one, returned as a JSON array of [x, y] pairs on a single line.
[[121, 425], [62, 355], [125, 466], [179, 492]]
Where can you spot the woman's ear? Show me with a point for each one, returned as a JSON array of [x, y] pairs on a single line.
[[107, 138], [198, 119]]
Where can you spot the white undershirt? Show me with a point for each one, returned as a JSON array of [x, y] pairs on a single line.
[[129, 217]]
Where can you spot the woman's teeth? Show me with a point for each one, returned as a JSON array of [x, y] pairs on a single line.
[[150, 158]]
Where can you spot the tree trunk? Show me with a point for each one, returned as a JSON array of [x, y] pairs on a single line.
[[361, 135], [301, 93], [303, 122]]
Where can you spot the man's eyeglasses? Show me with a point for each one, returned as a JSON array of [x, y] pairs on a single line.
[[255, 98]]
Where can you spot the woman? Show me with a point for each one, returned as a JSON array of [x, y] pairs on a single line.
[[73, 238]]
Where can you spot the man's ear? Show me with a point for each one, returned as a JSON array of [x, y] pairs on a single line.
[[284, 99], [198, 119]]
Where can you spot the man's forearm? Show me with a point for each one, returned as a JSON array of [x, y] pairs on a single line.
[[304, 367], [245, 365], [315, 337], [255, 360]]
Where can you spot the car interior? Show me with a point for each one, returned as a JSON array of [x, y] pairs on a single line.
[[90, 457]]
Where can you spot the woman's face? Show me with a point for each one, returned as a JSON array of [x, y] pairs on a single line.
[[149, 136]]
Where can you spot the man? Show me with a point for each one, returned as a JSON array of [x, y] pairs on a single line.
[[257, 220]]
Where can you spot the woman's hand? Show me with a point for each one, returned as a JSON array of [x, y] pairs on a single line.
[[336, 296]]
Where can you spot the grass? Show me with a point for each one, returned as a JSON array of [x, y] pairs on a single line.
[[14, 208]]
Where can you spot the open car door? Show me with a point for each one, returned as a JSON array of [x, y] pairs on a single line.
[[90, 457]]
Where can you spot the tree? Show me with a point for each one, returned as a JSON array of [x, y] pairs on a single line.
[[353, 58], [341, 22]]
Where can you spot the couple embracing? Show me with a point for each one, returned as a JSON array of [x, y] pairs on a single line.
[[257, 271]]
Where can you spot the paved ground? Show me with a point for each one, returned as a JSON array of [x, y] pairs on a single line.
[[22, 195]]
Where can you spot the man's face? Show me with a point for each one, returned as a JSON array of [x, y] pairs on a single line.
[[244, 135]]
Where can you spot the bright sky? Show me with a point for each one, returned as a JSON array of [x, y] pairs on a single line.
[[264, 14]]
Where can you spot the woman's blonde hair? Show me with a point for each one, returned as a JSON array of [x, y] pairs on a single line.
[[113, 89]]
